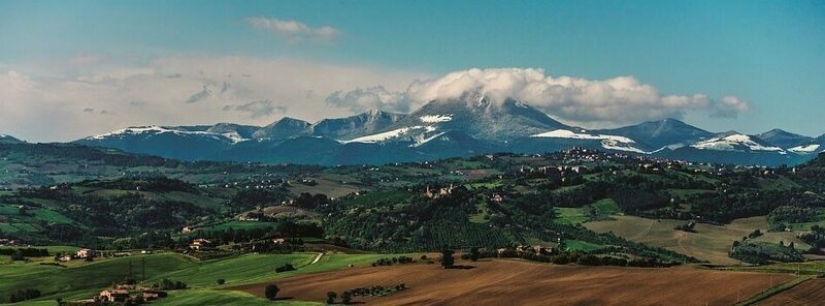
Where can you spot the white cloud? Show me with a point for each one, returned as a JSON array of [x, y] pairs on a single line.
[[592, 103], [377, 97], [60, 105], [294, 31]]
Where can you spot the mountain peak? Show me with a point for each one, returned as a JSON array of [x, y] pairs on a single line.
[[284, 128], [667, 132], [785, 139], [9, 139]]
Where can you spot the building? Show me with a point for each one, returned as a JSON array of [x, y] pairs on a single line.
[[199, 243], [85, 253], [116, 295]]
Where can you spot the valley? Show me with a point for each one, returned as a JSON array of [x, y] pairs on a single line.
[[554, 221]]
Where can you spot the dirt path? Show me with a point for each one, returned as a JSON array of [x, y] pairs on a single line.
[[317, 258]]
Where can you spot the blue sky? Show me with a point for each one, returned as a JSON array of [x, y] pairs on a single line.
[[86, 67]]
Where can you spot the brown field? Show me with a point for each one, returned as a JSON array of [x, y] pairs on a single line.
[[709, 242], [513, 282], [811, 292]]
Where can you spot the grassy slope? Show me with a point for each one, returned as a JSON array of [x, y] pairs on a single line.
[[709, 242], [221, 297], [84, 279]]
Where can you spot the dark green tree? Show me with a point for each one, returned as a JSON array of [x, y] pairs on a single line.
[[474, 254], [447, 259], [331, 297], [271, 291], [346, 298]]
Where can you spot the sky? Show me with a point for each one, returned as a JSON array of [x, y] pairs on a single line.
[[70, 69]]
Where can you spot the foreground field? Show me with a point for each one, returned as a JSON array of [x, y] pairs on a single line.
[[511, 282], [79, 279], [811, 292], [708, 242]]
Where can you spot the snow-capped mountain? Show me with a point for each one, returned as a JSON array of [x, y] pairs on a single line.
[[608, 142], [281, 129], [784, 139], [355, 126], [181, 142], [479, 117], [470, 125], [738, 143]]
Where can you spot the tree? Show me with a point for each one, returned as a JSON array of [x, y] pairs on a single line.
[[474, 254], [221, 281], [271, 291], [447, 260], [331, 297], [346, 297]]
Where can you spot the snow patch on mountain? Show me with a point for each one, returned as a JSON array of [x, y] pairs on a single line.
[[805, 149], [233, 137], [734, 142], [435, 118], [380, 137], [609, 142], [423, 140], [560, 133]]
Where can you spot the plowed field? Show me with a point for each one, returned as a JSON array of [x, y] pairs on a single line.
[[810, 292], [512, 282]]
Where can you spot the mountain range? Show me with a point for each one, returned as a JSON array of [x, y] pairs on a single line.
[[472, 124]]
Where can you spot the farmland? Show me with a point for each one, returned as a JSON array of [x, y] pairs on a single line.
[[810, 292], [509, 282], [708, 242]]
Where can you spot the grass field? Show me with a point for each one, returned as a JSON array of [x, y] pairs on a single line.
[[578, 245], [223, 297], [566, 215], [709, 242], [236, 225], [607, 207], [236, 270], [81, 279], [86, 279]]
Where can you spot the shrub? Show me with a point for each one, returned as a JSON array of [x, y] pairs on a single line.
[[221, 281], [271, 291]]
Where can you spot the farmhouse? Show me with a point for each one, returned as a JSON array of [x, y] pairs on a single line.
[[117, 295], [153, 294], [199, 243], [85, 253]]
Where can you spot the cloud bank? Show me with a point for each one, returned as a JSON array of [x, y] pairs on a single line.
[[591, 103], [294, 31], [57, 103], [74, 101]]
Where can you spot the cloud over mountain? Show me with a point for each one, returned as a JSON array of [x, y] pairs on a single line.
[[619, 100]]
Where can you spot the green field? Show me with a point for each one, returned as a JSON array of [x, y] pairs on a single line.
[[566, 215], [237, 225], [607, 206], [577, 245], [222, 297], [82, 280]]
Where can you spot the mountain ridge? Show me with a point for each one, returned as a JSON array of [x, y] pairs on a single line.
[[470, 124]]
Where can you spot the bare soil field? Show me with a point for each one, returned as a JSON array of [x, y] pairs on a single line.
[[514, 282], [811, 292], [708, 242]]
